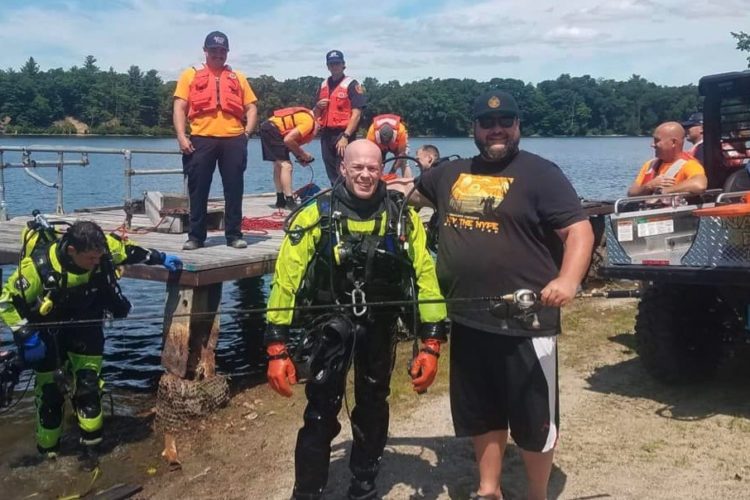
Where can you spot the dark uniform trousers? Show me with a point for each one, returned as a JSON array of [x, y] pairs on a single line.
[[231, 155], [328, 139], [374, 353]]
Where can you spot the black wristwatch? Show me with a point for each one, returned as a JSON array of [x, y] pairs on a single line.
[[348, 136]]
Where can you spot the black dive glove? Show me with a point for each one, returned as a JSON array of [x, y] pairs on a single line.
[[437, 331], [275, 333]]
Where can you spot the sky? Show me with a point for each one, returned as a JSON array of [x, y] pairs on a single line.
[[669, 42]]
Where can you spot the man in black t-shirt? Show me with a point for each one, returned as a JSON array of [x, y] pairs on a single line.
[[509, 219]]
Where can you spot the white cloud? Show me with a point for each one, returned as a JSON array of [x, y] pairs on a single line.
[[574, 35], [457, 38], [617, 11]]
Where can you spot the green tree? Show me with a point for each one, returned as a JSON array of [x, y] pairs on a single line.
[[743, 43]]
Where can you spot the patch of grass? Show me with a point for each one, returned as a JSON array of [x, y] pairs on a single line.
[[594, 329], [401, 388], [652, 447], [739, 424]]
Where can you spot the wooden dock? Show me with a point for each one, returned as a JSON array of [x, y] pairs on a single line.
[[214, 263], [191, 311]]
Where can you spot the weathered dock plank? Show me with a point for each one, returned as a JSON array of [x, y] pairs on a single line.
[[214, 263]]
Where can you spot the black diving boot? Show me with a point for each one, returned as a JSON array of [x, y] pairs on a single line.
[[48, 453], [361, 490], [88, 460], [280, 202], [290, 203]]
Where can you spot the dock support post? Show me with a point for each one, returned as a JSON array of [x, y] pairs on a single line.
[[191, 330], [190, 388]]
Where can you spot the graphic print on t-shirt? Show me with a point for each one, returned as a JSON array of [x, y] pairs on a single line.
[[473, 201]]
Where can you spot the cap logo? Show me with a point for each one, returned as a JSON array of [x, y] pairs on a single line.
[[219, 39], [493, 102]]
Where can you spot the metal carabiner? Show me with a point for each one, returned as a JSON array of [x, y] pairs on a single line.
[[358, 297]]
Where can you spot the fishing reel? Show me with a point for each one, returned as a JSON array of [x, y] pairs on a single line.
[[9, 373], [521, 305]]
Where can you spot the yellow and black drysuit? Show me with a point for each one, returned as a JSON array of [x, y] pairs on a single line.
[[48, 287], [337, 247]]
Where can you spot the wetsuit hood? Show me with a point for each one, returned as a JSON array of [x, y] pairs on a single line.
[[65, 260], [365, 209]]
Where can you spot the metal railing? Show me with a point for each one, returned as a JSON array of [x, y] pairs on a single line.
[[30, 165]]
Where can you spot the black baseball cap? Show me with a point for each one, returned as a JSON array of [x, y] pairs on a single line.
[[334, 56], [693, 120], [216, 39], [495, 102]]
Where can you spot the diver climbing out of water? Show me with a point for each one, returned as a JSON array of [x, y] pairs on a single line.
[[354, 244], [68, 277]]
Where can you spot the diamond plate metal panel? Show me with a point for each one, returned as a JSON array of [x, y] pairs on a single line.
[[615, 252], [721, 242]]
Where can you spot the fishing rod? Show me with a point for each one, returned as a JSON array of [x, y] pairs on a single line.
[[523, 298]]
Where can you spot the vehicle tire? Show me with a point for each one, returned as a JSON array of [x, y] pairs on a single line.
[[678, 332]]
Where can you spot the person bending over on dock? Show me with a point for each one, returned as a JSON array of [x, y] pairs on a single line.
[[284, 132], [70, 283], [350, 246], [220, 106], [509, 220], [671, 170], [389, 133]]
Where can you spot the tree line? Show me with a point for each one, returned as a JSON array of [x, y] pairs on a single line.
[[140, 103]]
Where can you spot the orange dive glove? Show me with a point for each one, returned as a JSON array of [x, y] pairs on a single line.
[[425, 365], [281, 372]]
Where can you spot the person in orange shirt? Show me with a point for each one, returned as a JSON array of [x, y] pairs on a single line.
[[671, 170], [288, 129], [219, 104], [391, 136]]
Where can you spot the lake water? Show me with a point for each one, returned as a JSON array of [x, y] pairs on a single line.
[[599, 168]]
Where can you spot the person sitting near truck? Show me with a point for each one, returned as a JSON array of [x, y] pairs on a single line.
[[694, 130], [671, 170]]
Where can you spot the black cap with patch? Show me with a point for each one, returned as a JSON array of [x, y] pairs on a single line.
[[693, 120], [216, 39], [495, 101], [334, 56]]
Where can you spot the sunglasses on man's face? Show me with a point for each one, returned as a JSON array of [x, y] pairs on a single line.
[[488, 122]]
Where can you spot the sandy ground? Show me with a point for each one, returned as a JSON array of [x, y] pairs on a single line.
[[623, 435]]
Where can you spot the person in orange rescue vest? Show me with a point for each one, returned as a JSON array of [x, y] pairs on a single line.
[[338, 110], [219, 104], [287, 130], [671, 170], [391, 136]]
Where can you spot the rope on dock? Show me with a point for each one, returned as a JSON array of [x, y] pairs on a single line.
[[261, 225]]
